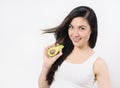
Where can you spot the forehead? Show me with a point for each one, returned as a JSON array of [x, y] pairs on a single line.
[[77, 21]]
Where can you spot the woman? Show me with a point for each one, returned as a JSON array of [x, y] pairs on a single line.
[[77, 65]]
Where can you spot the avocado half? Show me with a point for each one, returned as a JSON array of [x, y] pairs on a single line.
[[54, 50]]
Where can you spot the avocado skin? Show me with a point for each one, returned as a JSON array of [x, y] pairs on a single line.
[[54, 50]]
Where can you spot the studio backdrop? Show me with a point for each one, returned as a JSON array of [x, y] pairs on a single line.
[[22, 41]]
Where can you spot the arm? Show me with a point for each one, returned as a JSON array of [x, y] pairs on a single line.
[[102, 74], [42, 79], [47, 63]]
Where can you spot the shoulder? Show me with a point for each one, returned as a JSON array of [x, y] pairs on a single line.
[[100, 62], [101, 72], [100, 66]]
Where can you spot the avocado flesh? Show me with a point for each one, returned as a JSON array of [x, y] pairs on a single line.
[[55, 50]]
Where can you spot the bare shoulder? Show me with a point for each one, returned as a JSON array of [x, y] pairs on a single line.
[[100, 61], [100, 65], [102, 73]]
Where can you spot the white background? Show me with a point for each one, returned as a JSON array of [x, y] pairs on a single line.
[[21, 41]]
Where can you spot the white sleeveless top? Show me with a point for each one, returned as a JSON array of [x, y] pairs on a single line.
[[71, 75]]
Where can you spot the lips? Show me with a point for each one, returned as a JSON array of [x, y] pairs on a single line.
[[76, 39]]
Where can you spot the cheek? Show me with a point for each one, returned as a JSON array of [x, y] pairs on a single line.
[[69, 33], [86, 35]]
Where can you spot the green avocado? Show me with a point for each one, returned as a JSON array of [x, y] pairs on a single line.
[[54, 50]]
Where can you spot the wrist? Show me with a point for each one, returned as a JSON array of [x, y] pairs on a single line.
[[45, 68]]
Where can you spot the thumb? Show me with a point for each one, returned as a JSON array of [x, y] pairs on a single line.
[[58, 55]]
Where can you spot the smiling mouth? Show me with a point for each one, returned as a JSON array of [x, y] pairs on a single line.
[[76, 39]]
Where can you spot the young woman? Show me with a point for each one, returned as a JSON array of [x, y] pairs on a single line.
[[77, 65]]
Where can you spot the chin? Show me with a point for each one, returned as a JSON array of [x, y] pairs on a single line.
[[77, 44]]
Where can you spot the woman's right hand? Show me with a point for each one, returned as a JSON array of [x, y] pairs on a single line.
[[48, 61]]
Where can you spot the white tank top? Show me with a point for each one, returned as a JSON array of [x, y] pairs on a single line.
[[71, 75]]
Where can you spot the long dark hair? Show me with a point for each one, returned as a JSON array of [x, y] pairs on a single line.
[[61, 35]]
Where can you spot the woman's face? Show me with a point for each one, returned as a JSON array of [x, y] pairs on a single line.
[[79, 32]]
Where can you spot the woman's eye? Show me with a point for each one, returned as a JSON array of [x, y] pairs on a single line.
[[70, 27], [82, 28]]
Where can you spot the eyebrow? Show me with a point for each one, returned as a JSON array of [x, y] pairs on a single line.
[[78, 26]]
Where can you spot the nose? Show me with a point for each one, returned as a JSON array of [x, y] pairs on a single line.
[[76, 32]]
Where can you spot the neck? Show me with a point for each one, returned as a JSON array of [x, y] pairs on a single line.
[[82, 50]]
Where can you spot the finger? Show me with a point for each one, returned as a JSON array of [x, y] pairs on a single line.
[[58, 55], [45, 50]]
